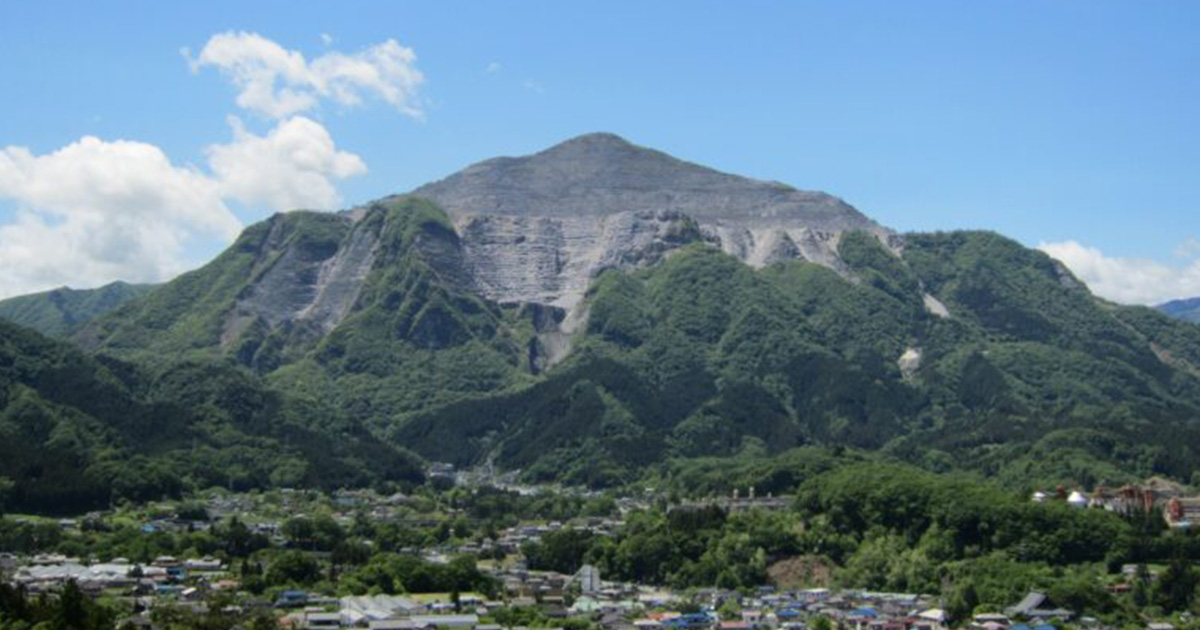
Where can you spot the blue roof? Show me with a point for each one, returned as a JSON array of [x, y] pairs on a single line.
[[863, 612], [688, 621]]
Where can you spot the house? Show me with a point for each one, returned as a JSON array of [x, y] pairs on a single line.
[[1127, 500], [445, 621], [322, 620], [615, 621], [861, 618], [929, 619], [292, 599], [752, 617], [691, 621], [1182, 512], [392, 624], [1037, 607], [990, 621], [203, 565], [588, 578], [365, 608]]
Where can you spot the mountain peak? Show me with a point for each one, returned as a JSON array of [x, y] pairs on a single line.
[[595, 139], [601, 174]]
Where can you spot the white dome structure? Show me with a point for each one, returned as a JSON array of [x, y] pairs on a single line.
[[1076, 499]]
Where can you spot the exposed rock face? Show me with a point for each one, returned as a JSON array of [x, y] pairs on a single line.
[[935, 306], [602, 174], [339, 280], [551, 341], [314, 285], [552, 260], [909, 363], [538, 228]]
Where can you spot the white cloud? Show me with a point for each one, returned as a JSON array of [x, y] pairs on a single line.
[[293, 166], [95, 211], [494, 67], [279, 82], [327, 39], [1127, 280]]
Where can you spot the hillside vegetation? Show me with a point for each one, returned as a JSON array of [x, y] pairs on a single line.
[[956, 351], [1030, 378], [78, 432], [61, 312]]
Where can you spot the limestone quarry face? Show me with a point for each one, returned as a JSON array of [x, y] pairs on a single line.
[[552, 259], [538, 228]]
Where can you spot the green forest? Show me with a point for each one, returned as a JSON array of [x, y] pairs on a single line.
[[696, 362]]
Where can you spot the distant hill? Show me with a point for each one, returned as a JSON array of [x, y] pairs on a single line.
[[61, 311], [1188, 310], [79, 432]]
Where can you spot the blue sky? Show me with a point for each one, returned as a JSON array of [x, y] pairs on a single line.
[[1066, 123]]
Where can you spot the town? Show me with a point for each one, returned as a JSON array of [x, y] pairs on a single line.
[[280, 557]]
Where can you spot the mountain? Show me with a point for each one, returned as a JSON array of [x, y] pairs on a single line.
[[598, 309], [539, 228], [80, 432], [62, 311], [1188, 310], [1017, 372]]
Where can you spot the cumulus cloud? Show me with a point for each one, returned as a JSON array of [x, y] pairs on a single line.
[[1129, 280], [279, 82], [293, 166], [94, 211]]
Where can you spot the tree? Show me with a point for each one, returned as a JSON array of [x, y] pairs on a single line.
[[963, 601], [76, 611], [1177, 585], [561, 551], [328, 532], [350, 552], [300, 531], [293, 567], [6, 488], [239, 541]]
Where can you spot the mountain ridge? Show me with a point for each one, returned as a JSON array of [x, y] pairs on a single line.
[[587, 175], [1186, 309], [591, 349], [59, 312]]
